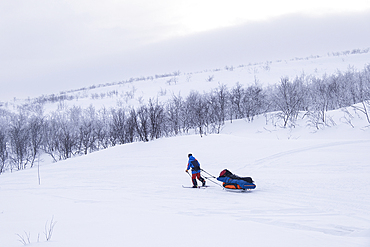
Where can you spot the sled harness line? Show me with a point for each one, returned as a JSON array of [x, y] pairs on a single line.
[[208, 173], [209, 178]]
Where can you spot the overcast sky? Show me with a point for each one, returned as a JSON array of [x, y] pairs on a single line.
[[48, 46]]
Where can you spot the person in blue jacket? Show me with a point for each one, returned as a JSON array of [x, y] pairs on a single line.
[[195, 171]]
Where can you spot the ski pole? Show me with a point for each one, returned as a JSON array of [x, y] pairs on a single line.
[[188, 173]]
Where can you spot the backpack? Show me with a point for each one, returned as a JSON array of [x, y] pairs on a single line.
[[227, 173], [195, 164]]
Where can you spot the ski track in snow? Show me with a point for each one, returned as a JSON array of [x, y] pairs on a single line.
[[299, 150], [283, 217]]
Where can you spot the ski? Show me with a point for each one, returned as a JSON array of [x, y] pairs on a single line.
[[198, 187]]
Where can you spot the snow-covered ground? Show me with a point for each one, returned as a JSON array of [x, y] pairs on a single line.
[[136, 91], [312, 190], [312, 185]]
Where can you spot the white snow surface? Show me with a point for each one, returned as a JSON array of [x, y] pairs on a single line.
[[137, 91], [312, 190], [312, 185]]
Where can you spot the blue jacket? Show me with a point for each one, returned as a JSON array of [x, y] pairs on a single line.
[[243, 184], [193, 164]]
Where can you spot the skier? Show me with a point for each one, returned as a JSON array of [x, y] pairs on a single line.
[[195, 170]]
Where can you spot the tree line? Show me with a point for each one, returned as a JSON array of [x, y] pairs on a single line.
[[69, 132]]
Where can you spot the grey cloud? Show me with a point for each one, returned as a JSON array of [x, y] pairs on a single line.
[[59, 56]]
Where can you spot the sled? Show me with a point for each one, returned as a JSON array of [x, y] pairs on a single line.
[[237, 188], [232, 182]]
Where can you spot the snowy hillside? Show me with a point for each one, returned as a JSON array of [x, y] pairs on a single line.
[[136, 91], [312, 176], [311, 191]]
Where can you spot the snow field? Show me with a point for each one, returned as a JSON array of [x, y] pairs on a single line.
[[310, 192], [312, 185], [265, 73]]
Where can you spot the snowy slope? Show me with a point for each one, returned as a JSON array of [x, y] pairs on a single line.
[[135, 91], [312, 185], [312, 190]]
